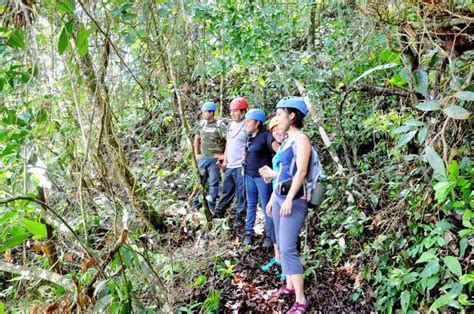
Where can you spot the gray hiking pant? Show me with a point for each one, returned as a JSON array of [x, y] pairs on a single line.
[[287, 230]]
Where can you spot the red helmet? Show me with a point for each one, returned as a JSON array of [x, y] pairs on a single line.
[[239, 103]]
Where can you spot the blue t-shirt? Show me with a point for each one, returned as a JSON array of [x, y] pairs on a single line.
[[285, 164], [258, 152]]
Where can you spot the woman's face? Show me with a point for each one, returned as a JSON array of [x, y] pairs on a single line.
[[277, 134], [251, 125], [282, 118]]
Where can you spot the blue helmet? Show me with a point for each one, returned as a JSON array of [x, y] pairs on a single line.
[[293, 102], [209, 106], [256, 114]]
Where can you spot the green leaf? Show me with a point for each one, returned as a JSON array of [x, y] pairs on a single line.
[[65, 6], [64, 37], [465, 95], [430, 269], [7, 216], [404, 300], [466, 218], [442, 301], [457, 112], [463, 299], [422, 135], [405, 74], [428, 106], [82, 41], [464, 279], [435, 161], [14, 241], [406, 138], [414, 122], [453, 169], [402, 129], [17, 39], [36, 228], [443, 189], [453, 265], [410, 277], [421, 82], [426, 257]]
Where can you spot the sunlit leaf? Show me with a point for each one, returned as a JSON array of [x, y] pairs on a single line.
[[435, 161], [457, 112]]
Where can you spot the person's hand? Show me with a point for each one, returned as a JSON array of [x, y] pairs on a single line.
[[285, 209], [218, 156], [198, 156], [224, 164], [269, 208], [266, 173]]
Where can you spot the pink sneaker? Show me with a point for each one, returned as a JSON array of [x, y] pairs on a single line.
[[282, 291], [298, 308]]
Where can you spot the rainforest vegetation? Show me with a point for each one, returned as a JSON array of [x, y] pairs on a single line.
[[99, 103]]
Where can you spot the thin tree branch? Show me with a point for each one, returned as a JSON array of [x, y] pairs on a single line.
[[31, 273]]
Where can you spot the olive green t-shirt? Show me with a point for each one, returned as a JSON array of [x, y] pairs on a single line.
[[213, 136]]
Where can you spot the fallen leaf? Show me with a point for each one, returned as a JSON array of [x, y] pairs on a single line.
[[8, 255], [68, 258]]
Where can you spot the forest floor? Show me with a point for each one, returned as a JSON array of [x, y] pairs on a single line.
[[244, 287]]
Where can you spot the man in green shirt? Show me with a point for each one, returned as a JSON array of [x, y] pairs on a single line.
[[209, 146]]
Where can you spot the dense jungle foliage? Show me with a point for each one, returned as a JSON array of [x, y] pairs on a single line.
[[98, 103]]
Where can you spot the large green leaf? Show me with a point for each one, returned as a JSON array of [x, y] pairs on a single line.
[[65, 6], [422, 135], [17, 39], [464, 95], [431, 268], [36, 228], [64, 37], [435, 161], [405, 300], [82, 41], [7, 216], [14, 241], [453, 265], [428, 106], [421, 82], [406, 138], [457, 112], [442, 301]]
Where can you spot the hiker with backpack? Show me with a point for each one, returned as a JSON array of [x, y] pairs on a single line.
[[300, 168], [233, 157], [258, 153], [209, 144]]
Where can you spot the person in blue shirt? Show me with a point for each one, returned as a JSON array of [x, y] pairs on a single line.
[[289, 206], [258, 153]]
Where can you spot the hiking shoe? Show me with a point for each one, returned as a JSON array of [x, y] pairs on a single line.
[[237, 223], [218, 215], [248, 239], [267, 243], [271, 263], [298, 308], [283, 291]]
